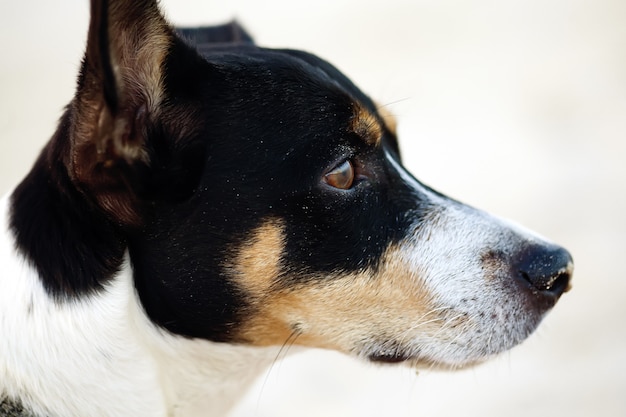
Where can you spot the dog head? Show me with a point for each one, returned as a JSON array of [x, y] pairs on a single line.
[[261, 197]]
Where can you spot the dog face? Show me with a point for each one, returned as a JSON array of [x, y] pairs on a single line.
[[262, 200]]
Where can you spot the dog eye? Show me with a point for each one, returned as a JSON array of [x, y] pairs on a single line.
[[341, 177]]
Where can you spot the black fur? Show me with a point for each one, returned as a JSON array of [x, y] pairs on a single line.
[[180, 144], [73, 245], [11, 408], [273, 123], [266, 126]]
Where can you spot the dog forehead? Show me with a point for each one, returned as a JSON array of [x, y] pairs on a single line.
[[278, 90], [282, 77]]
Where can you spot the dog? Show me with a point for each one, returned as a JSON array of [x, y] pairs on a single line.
[[205, 203]]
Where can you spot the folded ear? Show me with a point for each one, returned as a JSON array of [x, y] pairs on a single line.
[[120, 90]]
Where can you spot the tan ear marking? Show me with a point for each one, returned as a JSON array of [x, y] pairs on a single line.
[[120, 91]]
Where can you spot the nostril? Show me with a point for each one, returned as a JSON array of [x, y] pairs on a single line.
[[556, 284], [547, 269]]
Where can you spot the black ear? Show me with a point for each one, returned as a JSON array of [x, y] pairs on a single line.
[[120, 91]]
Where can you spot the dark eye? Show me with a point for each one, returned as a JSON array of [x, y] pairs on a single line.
[[341, 177]]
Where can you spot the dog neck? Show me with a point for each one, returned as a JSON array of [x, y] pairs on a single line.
[[99, 354]]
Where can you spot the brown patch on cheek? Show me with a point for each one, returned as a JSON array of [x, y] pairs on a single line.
[[343, 312], [257, 265], [366, 125], [255, 269]]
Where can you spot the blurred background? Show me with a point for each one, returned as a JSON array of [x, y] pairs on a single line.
[[517, 107]]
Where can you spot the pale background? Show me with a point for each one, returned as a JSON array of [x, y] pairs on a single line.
[[518, 107]]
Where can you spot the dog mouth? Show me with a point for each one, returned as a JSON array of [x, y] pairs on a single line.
[[387, 351], [415, 361], [389, 357]]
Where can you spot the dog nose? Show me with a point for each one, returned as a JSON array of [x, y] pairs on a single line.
[[547, 269]]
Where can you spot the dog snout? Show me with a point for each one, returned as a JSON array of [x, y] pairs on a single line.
[[546, 270]]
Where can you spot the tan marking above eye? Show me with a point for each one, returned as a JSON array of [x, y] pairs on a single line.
[[366, 125], [341, 177], [389, 119]]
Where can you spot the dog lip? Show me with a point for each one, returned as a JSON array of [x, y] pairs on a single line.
[[388, 357]]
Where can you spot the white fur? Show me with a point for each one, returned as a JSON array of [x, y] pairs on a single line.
[[479, 314], [101, 356]]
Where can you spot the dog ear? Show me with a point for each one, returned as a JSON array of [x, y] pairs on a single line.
[[120, 90]]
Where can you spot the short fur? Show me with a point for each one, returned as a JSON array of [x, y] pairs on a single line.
[[205, 201]]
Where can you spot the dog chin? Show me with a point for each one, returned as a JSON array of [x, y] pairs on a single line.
[[452, 356]]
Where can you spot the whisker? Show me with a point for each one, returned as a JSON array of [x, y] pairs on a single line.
[[282, 353], [421, 323], [457, 336], [391, 103]]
